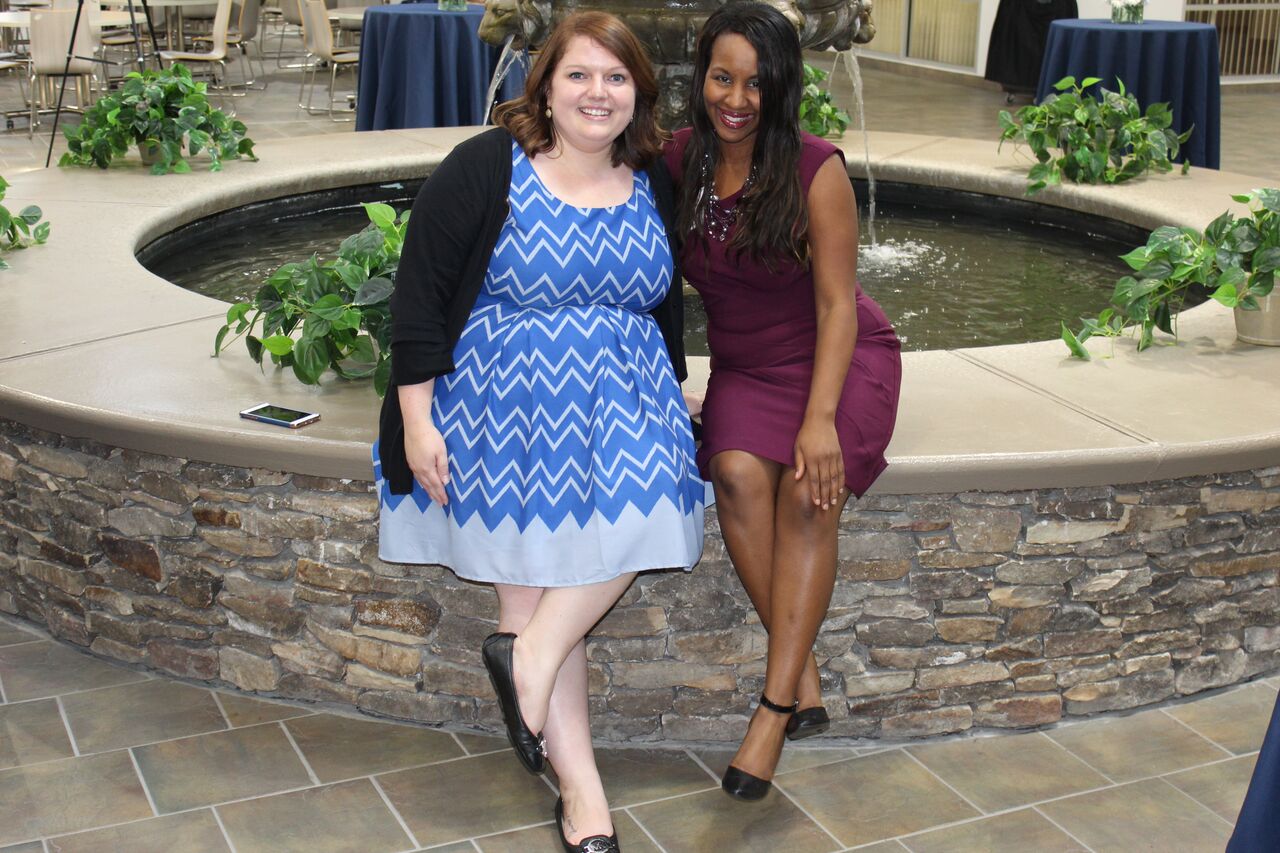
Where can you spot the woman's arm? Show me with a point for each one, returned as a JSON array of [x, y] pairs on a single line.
[[833, 248], [424, 447]]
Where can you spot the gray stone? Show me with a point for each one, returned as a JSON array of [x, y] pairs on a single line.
[[649, 675], [956, 676], [184, 661], [895, 632], [1022, 597], [1119, 693], [366, 678], [1111, 585], [134, 521], [1040, 572], [720, 647], [309, 659], [934, 721], [632, 622], [246, 671], [969, 629], [420, 707], [878, 683], [1212, 670], [1019, 712], [238, 542], [1081, 642]]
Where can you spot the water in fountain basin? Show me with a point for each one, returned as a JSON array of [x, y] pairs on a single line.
[[849, 60], [506, 59]]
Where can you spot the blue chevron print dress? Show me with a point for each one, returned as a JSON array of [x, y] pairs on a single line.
[[570, 454]]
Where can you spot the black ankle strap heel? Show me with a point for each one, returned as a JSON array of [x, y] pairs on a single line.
[[740, 784]]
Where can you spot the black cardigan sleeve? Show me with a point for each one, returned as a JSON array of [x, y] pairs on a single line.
[[669, 314]]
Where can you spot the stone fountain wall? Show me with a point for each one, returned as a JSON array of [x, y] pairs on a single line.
[[951, 611]]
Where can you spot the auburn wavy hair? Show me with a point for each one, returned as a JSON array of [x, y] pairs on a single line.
[[525, 117]]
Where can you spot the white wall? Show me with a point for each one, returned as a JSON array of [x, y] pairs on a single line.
[[1163, 10]]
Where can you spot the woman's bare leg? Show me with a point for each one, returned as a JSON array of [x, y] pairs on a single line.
[[804, 569], [746, 504], [551, 682]]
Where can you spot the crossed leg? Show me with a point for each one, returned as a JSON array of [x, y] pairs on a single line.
[[551, 681], [784, 549]]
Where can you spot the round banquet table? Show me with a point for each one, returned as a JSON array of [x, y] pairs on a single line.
[[1159, 61], [422, 67]]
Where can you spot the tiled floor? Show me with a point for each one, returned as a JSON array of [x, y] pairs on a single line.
[[96, 758]]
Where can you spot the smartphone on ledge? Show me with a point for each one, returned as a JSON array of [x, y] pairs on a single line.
[[280, 416]]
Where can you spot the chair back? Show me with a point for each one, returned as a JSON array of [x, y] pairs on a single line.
[[315, 29], [221, 23], [292, 12], [250, 15], [50, 36]]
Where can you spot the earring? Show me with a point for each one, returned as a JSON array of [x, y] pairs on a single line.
[[548, 112]]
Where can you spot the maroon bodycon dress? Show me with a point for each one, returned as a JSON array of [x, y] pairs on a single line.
[[762, 331]]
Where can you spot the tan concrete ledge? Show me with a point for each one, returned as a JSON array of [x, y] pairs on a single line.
[[94, 346]]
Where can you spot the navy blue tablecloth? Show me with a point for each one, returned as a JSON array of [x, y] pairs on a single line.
[[421, 67], [1258, 827], [1159, 61]]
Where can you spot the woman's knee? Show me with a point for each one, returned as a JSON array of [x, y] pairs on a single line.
[[738, 475], [516, 605]]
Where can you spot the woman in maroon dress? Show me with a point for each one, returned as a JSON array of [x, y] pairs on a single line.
[[804, 367]]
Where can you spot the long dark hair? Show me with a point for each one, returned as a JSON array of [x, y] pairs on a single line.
[[773, 221], [525, 117]]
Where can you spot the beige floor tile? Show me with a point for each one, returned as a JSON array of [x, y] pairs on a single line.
[[1145, 744], [189, 832], [69, 795], [998, 773], [1236, 719], [710, 820], [638, 775], [32, 732], [631, 838], [243, 711], [1016, 832], [1151, 815], [332, 819], [133, 714], [474, 796], [875, 797], [342, 747], [476, 744], [36, 670], [1220, 786], [884, 847], [9, 635], [793, 758], [460, 847], [28, 847], [214, 768]]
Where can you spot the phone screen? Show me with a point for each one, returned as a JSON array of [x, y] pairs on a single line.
[[279, 415]]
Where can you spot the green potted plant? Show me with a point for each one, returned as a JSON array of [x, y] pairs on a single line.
[[1107, 139], [163, 112], [315, 316], [1234, 261], [818, 114], [21, 230]]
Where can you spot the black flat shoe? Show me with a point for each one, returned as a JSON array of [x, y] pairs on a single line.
[[531, 749], [590, 844], [808, 722], [740, 784]]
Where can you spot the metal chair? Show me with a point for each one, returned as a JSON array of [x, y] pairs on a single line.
[[317, 35], [50, 38], [216, 56]]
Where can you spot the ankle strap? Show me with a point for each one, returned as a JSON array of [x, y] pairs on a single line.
[[779, 709]]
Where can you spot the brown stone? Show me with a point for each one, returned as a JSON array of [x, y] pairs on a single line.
[[650, 675], [343, 507], [238, 542], [1071, 532], [106, 648], [632, 622], [1020, 711], [373, 679], [308, 659], [895, 632], [333, 577], [1161, 641], [1022, 597], [183, 661], [969, 629], [109, 599], [443, 677], [720, 647], [420, 707], [215, 516], [878, 683], [273, 615], [949, 559], [65, 625], [1028, 621], [417, 618], [946, 585], [388, 657], [1147, 663], [1238, 500], [956, 676], [1081, 642], [64, 463], [872, 570], [1040, 572], [53, 551], [1029, 647], [1234, 566], [904, 659], [934, 721], [985, 530], [197, 589], [68, 580], [136, 521], [1127, 692], [141, 558], [297, 685], [131, 632], [1211, 670], [1035, 683], [1112, 585], [1152, 518], [246, 671]]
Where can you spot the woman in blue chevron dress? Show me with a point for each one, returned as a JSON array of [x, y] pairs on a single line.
[[535, 436]]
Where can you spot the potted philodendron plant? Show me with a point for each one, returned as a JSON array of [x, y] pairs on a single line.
[[19, 230], [818, 113], [1233, 261], [167, 115]]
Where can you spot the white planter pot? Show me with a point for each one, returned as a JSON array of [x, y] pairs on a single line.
[[1262, 326]]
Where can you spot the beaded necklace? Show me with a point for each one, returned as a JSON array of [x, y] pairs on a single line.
[[718, 217]]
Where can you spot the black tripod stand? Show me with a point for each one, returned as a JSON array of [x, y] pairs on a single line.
[[140, 58]]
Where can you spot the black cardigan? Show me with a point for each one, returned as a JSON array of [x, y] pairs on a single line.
[[456, 220]]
